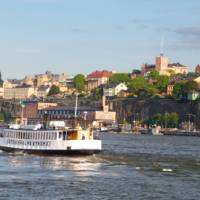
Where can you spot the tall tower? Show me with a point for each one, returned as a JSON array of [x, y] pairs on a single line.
[[161, 63]]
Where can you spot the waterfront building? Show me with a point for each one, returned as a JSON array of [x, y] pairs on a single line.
[[30, 110]]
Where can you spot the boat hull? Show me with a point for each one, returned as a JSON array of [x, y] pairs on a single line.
[[50, 152]]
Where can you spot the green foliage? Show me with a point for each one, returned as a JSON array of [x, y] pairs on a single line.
[[153, 75], [140, 87], [54, 90], [183, 87], [167, 120], [97, 93], [119, 78], [79, 82], [162, 82], [2, 116], [191, 75]]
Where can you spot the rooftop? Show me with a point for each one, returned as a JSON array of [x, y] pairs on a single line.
[[100, 74]]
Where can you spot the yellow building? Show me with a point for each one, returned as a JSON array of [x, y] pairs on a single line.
[[18, 92]]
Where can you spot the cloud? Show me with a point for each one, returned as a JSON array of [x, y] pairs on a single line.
[[189, 31], [188, 36]]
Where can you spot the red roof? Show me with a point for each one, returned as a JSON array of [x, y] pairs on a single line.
[[100, 74]]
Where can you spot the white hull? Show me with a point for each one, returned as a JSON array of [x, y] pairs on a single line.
[[57, 145]]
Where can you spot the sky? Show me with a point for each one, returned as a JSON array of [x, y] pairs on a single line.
[[80, 36]]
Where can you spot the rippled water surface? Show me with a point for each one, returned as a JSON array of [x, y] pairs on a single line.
[[130, 167]]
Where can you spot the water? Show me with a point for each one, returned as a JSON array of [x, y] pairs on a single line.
[[131, 167]]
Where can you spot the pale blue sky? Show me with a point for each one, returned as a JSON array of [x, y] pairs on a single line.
[[79, 36]]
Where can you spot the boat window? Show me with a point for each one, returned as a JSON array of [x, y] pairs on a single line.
[[64, 135], [60, 134], [39, 136]]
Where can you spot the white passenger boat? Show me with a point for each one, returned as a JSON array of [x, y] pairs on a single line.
[[49, 141]]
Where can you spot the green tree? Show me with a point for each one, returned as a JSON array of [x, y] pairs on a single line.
[[120, 78], [183, 87], [79, 82], [153, 75], [2, 116], [140, 87], [54, 90], [162, 82], [173, 120], [97, 93], [167, 120]]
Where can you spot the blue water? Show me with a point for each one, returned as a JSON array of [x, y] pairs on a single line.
[[130, 167]]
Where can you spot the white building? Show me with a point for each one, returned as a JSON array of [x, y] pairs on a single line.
[[114, 89]]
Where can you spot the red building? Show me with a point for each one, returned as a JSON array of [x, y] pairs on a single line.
[[97, 78]]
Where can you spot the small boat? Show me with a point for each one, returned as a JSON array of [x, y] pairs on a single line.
[[156, 130]]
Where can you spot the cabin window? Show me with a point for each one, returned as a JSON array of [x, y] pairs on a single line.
[[64, 135], [47, 136], [39, 136], [60, 135]]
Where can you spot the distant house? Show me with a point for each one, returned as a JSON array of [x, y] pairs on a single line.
[[43, 91], [193, 96], [197, 69], [135, 73], [170, 88], [97, 78], [12, 83], [114, 89]]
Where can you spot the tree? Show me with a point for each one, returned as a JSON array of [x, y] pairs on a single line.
[[167, 120], [54, 90], [97, 93], [140, 87], [79, 82], [136, 85], [2, 116], [119, 78], [162, 82], [153, 75], [183, 87]]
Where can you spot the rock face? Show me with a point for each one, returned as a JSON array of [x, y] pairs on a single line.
[[12, 109], [141, 109]]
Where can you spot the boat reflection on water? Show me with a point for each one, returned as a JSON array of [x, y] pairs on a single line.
[[79, 166]]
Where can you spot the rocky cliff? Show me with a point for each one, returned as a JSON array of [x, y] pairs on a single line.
[[141, 109]]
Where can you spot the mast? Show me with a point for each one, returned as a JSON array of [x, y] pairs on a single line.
[[75, 109]]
